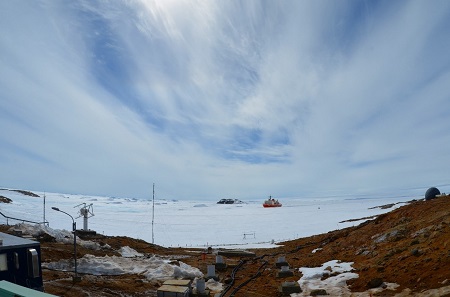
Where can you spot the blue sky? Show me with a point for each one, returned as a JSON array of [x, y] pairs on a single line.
[[225, 99]]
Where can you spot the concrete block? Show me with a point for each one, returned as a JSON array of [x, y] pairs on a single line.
[[198, 294], [221, 266], [281, 264], [287, 273], [288, 288]]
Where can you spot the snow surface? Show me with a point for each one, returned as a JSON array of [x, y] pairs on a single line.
[[335, 284], [154, 268], [195, 223], [128, 252], [332, 277]]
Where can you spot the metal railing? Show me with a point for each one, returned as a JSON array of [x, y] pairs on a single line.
[[20, 220]]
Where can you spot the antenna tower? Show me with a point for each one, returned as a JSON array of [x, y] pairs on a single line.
[[153, 214], [44, 209], [86, 211]]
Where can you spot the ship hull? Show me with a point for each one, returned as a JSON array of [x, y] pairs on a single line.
[[271, 205]]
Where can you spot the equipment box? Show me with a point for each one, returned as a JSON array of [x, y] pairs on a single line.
[[20, 261]]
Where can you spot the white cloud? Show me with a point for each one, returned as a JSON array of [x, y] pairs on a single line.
[[205, 97]]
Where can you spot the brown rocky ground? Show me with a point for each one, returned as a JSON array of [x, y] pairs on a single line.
[[409, 246]]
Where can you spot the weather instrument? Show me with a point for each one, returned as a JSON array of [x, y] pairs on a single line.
[[86, 211]]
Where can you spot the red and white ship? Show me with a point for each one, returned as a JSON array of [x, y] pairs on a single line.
[[272, 202]]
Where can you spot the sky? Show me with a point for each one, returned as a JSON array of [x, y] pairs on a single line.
[[225, 99]]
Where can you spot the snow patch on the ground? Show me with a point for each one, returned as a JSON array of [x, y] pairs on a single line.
[[335, 284], [213, 285], [154, 268], [332, 277], [128, 252], [63, 236]]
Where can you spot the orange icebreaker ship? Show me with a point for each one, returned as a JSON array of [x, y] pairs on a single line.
[[272, 202]]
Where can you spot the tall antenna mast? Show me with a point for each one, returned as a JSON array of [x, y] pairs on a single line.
[[44, 209], [153, 214]]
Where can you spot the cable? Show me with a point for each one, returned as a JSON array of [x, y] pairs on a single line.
[[263, 266], [257, 274]]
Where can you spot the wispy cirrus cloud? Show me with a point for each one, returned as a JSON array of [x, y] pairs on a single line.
[[210, 99]]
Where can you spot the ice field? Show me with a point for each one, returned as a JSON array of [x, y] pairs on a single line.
[[194, 223]]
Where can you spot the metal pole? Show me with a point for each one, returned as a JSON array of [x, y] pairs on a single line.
[[153, 214], [74, 227], [75, 247], [44, 208]]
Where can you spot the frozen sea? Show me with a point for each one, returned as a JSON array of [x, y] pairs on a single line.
[[195, 223]]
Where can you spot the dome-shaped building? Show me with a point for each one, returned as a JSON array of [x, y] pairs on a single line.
[[431, 193]]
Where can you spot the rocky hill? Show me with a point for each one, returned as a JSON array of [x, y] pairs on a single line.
[[405, 252], [409, 246]]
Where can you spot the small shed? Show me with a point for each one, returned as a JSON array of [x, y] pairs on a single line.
[[20, 262]]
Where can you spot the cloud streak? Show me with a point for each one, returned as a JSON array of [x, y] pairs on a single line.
[[218, 99]]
